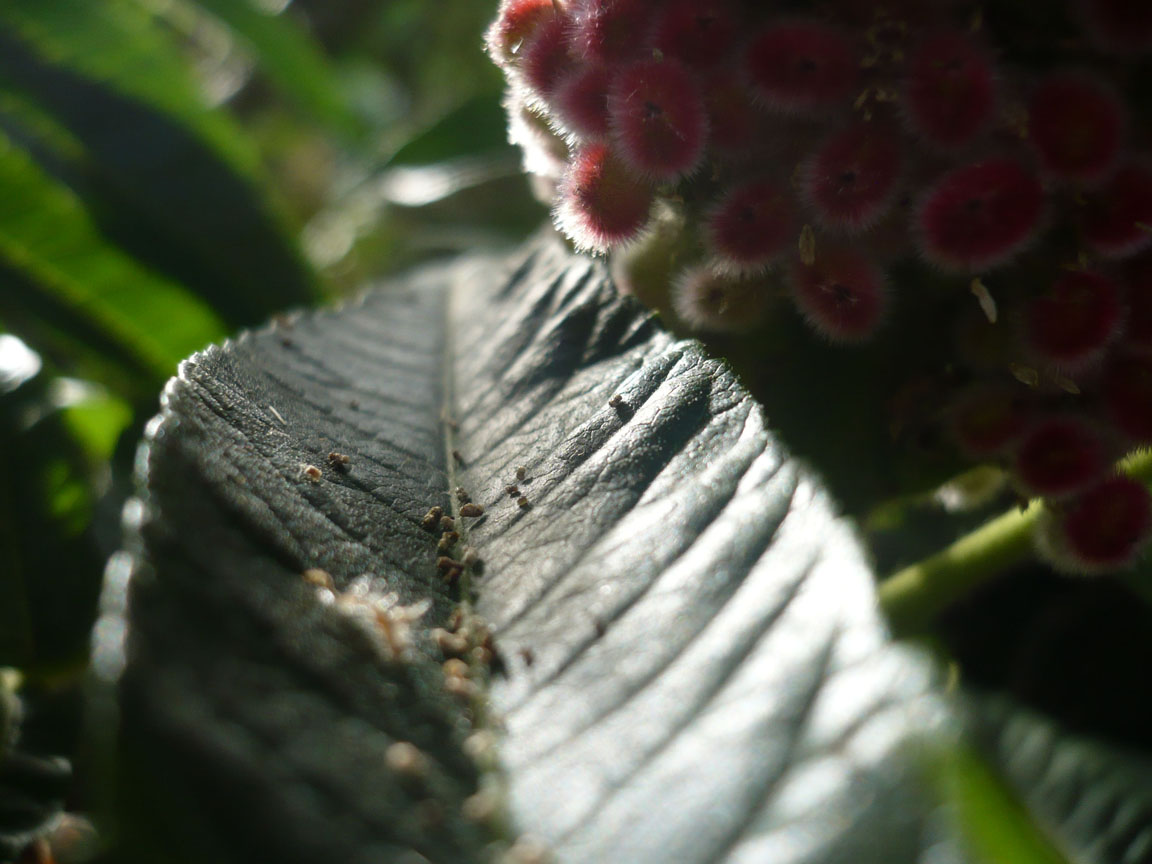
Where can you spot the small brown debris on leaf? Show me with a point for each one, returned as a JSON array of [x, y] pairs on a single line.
[[459, 458], [444, 564], [447, 523], [471, 509], [451, 644], [455, 668], [521, 473], [481, 746], [311, 473], [512, 491], [447, 540], [405, 758], [527, 850], [462, 497], [480, 807], [523, 503], [527, 655], [319, 578], [431, 520], [616, 401], [338, 461], [461, 687]]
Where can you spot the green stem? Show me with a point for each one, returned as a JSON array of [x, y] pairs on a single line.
[[914, 596]]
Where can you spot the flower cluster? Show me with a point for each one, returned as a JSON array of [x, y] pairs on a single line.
[[819, 146]]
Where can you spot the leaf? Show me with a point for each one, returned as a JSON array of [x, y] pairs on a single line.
[[995, 825], [49, 558], [82, 298], [710, 681], [476, 126], [171, 181], [289, 59], [1094, 798]]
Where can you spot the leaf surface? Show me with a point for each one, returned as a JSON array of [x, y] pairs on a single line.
[[694, 669], [1093, 798]]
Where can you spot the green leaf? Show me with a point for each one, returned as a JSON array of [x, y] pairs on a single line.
[[693, 668], [69, 291], [476, 126], [49, 561], [291, 61], [994, 821], [172, 182], [1093, 798]]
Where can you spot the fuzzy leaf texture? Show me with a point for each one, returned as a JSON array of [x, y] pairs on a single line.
[[709, 678], [1091, 796]]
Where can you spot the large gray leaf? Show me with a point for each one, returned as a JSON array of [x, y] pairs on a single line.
[[1094, 798], [695, 668]]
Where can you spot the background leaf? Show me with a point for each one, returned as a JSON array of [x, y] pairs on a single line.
[[1093, 797], [96, 309], [290, 59], [703, 634], [168, 179]]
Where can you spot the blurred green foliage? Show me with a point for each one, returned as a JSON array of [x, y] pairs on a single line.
[[173, 170]]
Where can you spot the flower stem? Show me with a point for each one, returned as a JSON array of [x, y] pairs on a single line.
[[913, 597]]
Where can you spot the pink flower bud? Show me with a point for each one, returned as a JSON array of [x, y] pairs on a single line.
[[600, 203], [1127, 393], [1120, 25], [1102, 529], [514, 25], [1070, 326], [657, 117], [580, 103], [989, 419], [752, 224], [949, 92], [545, 58], [733, 120], [610, 31], [979, 216], [1059, 456], [698, 33], [843, 295], [1138, 330], [851, 179], [1117, 220], [801, 66], [1076, 126], [707, 299]]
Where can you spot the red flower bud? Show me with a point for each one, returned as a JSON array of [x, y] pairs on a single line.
[[979, 216], [1117, 220], [851, 179], [657, 118], [600, 203], [949, 93], [1076, 126], [842, 294], [1059, 456], [1070, 326], [801, 66], [752, 224]]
